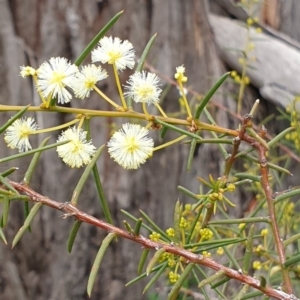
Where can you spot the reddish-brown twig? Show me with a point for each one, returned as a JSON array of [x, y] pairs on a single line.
[[287, 286], [72, 211]]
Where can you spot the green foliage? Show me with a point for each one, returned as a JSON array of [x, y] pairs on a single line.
[[204, 245]]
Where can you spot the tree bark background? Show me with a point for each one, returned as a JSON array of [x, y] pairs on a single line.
[[32, 32]]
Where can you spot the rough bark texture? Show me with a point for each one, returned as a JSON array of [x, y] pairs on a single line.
[[33, 31]]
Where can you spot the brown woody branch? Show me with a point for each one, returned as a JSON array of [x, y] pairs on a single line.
[[70, 210], [287, 286]]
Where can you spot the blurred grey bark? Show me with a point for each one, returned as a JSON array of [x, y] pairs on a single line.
[[33, 31]]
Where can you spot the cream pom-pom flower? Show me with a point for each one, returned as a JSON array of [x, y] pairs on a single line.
[[78, 151], [131, 146], [55, 77], [17, 134], [114, 51], [143, 87]]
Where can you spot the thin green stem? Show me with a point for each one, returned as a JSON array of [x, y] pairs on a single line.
[[185, 100], [145, 109], [169, 143], [125, 114], [119, 86], [161, 110], [114, 104], [56, 127]]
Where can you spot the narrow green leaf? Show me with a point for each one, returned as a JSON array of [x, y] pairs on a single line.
[[155, 227], [138, 226], [4, 193], [182, 131], [27, 222], [176, 287], [191, 154], [254, 107], [221, 282], [8, 185], [33, 163], [2, 236], [163, 132], [262, 281], [97, 180], [128, 227], [73, 234], [203, 273], [242, 292], [143, 260], [247, 176], [52, 102], [249, 250], [242, 220], [155, 277], [270, 165], [29, 173], [209, 245], [286, 195], [241, 182], [212, 278], [101, 195], [209, 95], [96, 39], [19, 197], [279, 169], [279, 136], [23, 154], [177, 217], [211, 141], [195, 221], [292, 260], [206, 297], [209, 116], [145, 54], [252, 295], [6, 204], [154, 260], [136, 279], [85, 176], [258, 138], [213, 242], [18, 115], [291, 239], [9, 171], [26, 212], [187, 192], [228, 253], [105, 243], [217, 245], [136, 219], [242, 153]]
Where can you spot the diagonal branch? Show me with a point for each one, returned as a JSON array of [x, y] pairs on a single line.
[[70, 210]]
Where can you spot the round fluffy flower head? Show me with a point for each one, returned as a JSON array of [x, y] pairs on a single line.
[[54, 77], [143, 87], [78, 151], [114, 51], [17, 134], [86, 79], [179, 75], [130, 146], [27, 71]]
